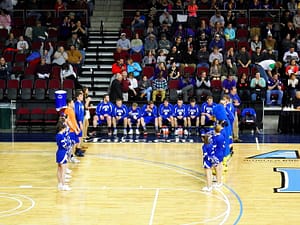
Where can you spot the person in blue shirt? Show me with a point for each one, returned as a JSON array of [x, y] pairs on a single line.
[[180, 117], [79, 114], [207, 118], [186, 84], [119, 116], [236, 101], [165, 114], [103, 115], [134, 117], [274, 87], [218, 142], [193, 115], [61, 156], [134, 67], [149, 116]]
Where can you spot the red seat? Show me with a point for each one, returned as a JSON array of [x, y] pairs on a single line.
[[12, 89], [255, 22], [3, 33], [54, 85], [2, 88], [148, 71], [216, 85], [242, 70], [69, 86], [230, 44], [189, 70], [51, 116], [137, 57], [201, 69], [55, 74], [40, 88], [242, 22], [26, 89], [242, 34], [22, 118], [243, 44], [173, 84], [37, 117]]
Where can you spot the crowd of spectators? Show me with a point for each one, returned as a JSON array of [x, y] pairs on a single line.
[[213, 54]]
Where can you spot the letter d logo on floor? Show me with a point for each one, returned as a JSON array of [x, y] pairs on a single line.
[[290, 181]]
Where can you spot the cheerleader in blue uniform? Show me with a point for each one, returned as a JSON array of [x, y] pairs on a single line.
[[208, 161], [61, 156]]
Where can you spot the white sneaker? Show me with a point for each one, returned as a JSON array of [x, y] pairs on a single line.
[[68, 171], [130, 131], [137, 131], [66, 188], [217, 185], [115, 132], [185, 132], [67, 176], [67, 180], [125, 132], [176, 132], [74, 160], [59, 186], [207, 189]]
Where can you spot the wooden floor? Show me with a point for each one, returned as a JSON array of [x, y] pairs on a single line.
[[136, 184]]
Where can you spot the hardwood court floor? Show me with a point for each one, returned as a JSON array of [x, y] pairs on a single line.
[[136, 184]]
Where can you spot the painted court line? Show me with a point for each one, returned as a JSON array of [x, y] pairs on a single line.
[[154, 206]]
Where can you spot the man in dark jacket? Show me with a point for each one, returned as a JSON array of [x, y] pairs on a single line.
[[116, 89]]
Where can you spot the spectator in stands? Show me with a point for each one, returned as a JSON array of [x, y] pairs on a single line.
[[149, 116], [46, 53], [39, 32], [180, 117], [149, 59], [258, 86], [217, 41], [160, 69], [192, 9], [189, 42], [11, 41], [230, 54], [81, 32], [22, 45], [289, 29], [125, 83], [161, 57], [119, 54], [235, 99], [134, 67], [43, 70], [186, 86], [173, 72], [217, 17], [159, 86], [166, 17], [103, 115], [136, 45], [230, 18], [215, 55], [296, 19], [133, 87], [119, 66], [228, 68], [266, 67], [243, 58], [76, 41], [229, 32], [292, 86], [228, 84], [189, 59], [274, 86], [7, 5], [151, 29], [5, 69], [116, 88], [243, 87], [124, 43], [202, 41], [178, 8], [289, 55], [119, 116], [257, 56], [193, 116], [164, 44], [268, 30], [255, 42], [145, 88], [203, 57], [203, 28], [67, 72], [218, 29], [165, 114], [60, 6], [270, 43], [202, 85], [5, 20], [179, 44], [215, 70], [74, 58], [60, 56], [65, 29], [292, 7], [270, 54], [151, 43], [173, 56], [287, 16], [292, 68], [134, 118], [138, 21], [255, 4]]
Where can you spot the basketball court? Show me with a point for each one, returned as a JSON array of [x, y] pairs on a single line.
[[148, 183]]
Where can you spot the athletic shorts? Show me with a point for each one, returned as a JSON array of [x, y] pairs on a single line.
[[149, 120], [61, 156], [74, 137]]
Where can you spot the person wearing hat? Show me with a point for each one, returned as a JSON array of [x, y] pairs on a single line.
[[151, 43], [124, 42], [164, 44]]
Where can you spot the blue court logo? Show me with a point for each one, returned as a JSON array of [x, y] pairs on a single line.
[[290, 182], [277, 154]]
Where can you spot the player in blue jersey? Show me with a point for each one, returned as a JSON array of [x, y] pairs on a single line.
[[149, 116], [193, 114], [61, 156], [209, 160], [103, 115], [207, 118], [134, 117], [180, 117], [218, 142], [120, 114], [79, 114], [165, 114]]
